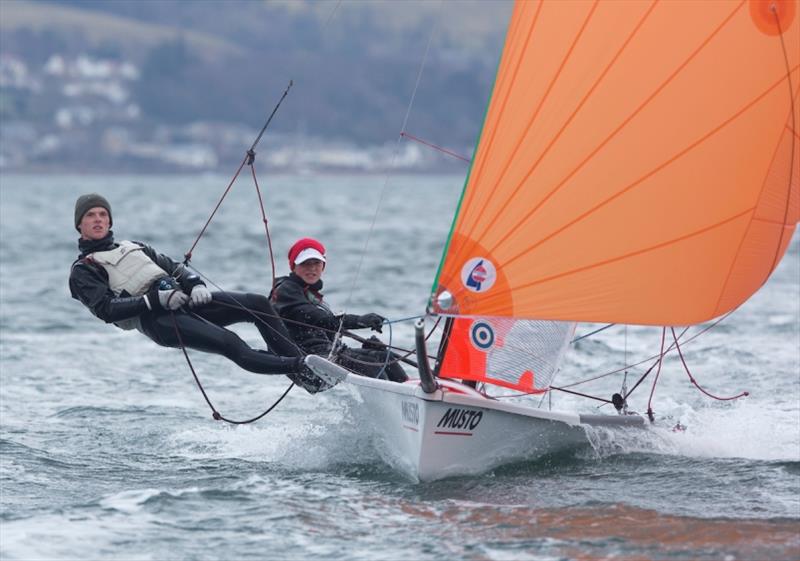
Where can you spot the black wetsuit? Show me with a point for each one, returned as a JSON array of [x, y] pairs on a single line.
[[313, 325], [200, 328]]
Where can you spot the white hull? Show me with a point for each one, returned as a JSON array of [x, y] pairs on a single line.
[[457, 430]]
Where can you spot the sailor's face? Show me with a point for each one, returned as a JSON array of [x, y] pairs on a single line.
[[94, 224], [310, 271]]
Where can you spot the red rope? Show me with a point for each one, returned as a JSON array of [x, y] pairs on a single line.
[[435, 147], [677, 346], [264, 219], [188, 255]]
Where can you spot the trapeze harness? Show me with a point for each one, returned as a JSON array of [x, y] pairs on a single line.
[[129, 270]]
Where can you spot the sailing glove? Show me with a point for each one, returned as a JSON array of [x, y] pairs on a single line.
[[169, 299], [200, 296], [373, 321]]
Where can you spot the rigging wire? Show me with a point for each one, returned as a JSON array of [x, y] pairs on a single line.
[[576, 339], [257, 315], [650, 414], [394, 157], [618, 370], [266, 223], [253, 313], [188, 255], [330, 16], [249, 159], [625, 361], [435, 147]]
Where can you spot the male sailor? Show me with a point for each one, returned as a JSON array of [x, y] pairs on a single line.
[[298, 299], [129, 284]]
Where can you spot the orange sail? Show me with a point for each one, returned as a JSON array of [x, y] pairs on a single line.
[[639, 163]]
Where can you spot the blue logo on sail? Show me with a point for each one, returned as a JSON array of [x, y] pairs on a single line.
[[478, 274]]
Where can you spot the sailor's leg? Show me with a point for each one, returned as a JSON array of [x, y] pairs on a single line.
[[202, 335], [370, 362], [227, 308], [396, 372]]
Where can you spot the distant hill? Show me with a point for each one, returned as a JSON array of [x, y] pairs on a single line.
[[81, 26], [354, 63]]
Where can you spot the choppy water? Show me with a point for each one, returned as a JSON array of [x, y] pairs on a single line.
[[109, 452]]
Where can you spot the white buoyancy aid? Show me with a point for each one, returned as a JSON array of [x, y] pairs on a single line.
[[129, 268]]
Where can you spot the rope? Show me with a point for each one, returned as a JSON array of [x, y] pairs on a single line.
[[648, 359], [257, 316], [249, 160], [265, 221], [434, 146], [576, 339], [576, 393], [188, 255], [617, 371], [655, 380], [346, 333], [253, 313], [330, 16], [401, 320], [743, 394], [624, 390], [400, 358], [214, 413], [251, 154]]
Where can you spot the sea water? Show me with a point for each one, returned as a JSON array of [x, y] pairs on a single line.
[[108, 450]]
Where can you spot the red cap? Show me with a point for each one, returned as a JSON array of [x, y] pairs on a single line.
[[315, 251]]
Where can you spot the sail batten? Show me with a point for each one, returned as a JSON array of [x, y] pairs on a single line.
[[514, 45], [634, 166], [619, 128], [567, 123], [626, 189]]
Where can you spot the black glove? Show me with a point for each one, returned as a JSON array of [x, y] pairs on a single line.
[[373, 321], [374, 343]]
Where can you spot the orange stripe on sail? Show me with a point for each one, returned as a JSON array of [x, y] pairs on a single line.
[[501, 87], [662, 245], [635, 183], [621, 126]]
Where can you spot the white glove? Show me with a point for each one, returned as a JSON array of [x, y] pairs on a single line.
[[172, 299], [200, 296]]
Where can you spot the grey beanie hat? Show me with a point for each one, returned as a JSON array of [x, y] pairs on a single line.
[[86, 202]]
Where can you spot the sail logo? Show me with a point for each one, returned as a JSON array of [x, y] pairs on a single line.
[[410, 412], [478, 274], [461, 419], [482, 335]]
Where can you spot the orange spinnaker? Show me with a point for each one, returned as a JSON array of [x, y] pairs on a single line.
[[639, 163]]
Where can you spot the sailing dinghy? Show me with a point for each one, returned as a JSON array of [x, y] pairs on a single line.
[[638, 164]]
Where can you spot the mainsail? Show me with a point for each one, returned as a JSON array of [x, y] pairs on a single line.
[[638, 164]]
